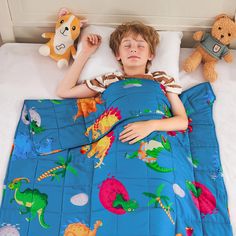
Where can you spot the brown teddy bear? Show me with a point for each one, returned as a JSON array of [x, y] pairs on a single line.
[[212, 47]]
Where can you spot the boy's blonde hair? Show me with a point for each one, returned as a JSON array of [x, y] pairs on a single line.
[[148, 33]]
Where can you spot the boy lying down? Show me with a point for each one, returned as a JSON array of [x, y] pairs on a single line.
[[134, 45]]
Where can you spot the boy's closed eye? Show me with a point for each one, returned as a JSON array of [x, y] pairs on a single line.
[[141, 45]]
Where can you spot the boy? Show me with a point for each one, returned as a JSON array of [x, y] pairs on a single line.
[[134, 47]]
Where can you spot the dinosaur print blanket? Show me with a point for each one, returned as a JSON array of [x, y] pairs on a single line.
[[69, 174]]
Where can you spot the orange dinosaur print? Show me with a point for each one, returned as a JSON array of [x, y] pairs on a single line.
[[79, 229], [99, 148], [103, 124], [87, 106]]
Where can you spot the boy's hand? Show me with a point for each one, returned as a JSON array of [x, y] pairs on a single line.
[[90, 43], [135, 131]]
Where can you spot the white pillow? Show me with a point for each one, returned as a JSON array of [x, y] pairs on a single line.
[[167, 53], [103, 60]]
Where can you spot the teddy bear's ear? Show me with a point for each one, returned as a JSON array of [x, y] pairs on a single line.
[[222, 16], [63, 11]]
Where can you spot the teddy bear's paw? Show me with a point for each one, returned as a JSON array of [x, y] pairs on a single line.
[[62, 63], [44, 50], [228, 58], [210, 76], [188, 66], [197, 36]]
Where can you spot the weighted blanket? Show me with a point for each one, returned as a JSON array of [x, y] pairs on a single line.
[[69, 174]]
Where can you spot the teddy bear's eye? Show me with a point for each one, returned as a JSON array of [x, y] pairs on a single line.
[[73, 27], [219, 28], [61, 21], [229, 34]]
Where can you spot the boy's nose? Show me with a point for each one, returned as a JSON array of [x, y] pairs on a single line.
[[133, 50]]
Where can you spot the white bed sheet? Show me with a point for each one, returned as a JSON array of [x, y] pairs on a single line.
[[24, 74]]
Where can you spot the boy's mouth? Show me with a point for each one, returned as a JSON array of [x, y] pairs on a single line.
[[133, 57]]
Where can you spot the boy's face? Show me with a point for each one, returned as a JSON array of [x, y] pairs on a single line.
[[134, 51]]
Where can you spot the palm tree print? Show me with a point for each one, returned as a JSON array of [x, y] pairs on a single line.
[[63, 166], [163, 201]]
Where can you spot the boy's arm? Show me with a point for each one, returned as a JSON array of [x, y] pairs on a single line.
[[136, 131], [67, 88], [179, 121]]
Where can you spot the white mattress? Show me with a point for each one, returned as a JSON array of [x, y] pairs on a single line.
[[24, 74]]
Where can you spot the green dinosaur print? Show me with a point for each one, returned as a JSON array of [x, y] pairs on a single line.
[[128, 206], [31, 200]]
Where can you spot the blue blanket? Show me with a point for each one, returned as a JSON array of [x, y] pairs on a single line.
[[70, 175]]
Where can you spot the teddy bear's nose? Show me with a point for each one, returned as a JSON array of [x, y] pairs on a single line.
[[66, 28], [222, 36]]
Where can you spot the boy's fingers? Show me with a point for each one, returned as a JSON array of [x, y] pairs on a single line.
[[134, 136], [128, 134], [90, 38], [134, 140], [125, 131], [98, 39], [94, 38]]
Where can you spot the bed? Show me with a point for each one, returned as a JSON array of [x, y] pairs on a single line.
[[21, 57], [37, 79]]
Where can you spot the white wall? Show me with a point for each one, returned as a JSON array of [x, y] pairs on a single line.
[[6, 23], [27, 19]]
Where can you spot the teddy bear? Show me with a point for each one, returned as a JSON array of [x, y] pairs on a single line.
[[61, 44], [212, 47]]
